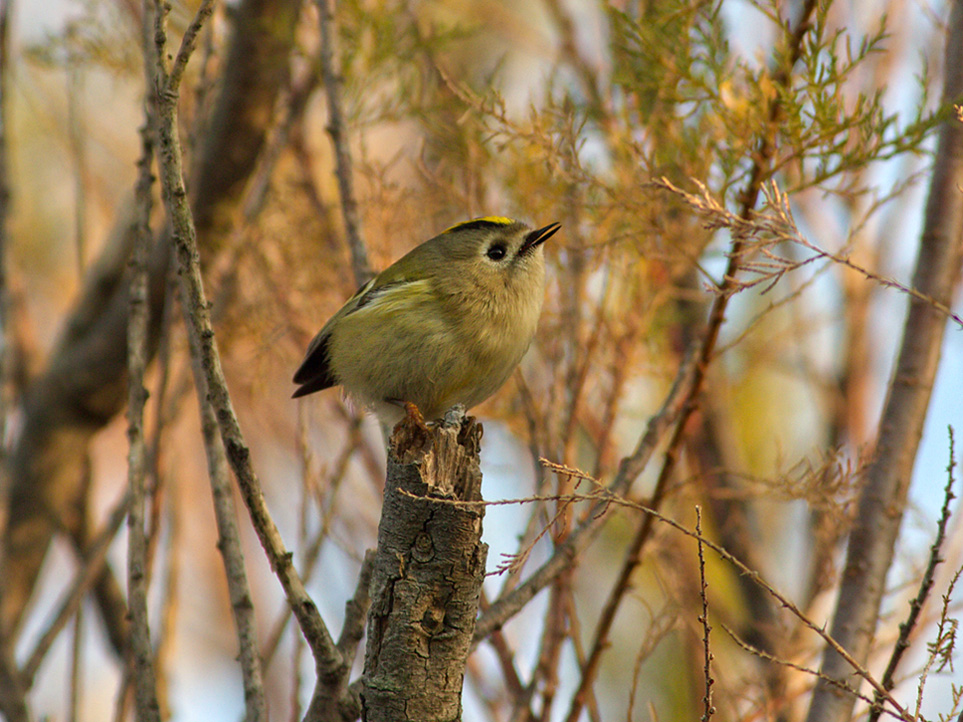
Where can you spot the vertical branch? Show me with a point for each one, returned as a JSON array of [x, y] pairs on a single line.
[[883, 498], [213, 385], [229, 544], [5, 325], [145, 690], [78, 149], [330, 72], [926, 585], [76, 660], [708, 709]]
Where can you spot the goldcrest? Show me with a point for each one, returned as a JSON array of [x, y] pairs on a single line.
[[446, 324]]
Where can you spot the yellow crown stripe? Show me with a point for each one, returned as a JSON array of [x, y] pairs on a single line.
[[495, 220]]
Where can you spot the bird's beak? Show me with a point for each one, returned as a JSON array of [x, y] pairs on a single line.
[[537, 237]]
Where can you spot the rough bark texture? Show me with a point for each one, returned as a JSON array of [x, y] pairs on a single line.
[[84, 385], [427, 576], [883, 498]]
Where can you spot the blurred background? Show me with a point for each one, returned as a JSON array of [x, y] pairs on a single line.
[[549, 110]]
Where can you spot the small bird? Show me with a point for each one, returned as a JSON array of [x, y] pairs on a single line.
[[445, 324]]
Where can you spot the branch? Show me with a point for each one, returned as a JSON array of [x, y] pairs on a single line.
[[427, 575], [883, 498], [141, 651], [229, 544], [6, 359], [926, 585], [708, 708], [342, 154], [328, 659]]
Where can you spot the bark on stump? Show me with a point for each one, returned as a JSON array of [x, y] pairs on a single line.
[[427, 574]]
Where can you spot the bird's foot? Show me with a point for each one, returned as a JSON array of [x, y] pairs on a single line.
[[414, 416], [412, 432]]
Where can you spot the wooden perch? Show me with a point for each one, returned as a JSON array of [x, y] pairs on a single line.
[[427, 574]]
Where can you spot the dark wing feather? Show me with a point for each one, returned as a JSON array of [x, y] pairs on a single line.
[[314, 373]]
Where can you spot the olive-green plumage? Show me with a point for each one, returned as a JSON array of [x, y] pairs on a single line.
[[446, 324]]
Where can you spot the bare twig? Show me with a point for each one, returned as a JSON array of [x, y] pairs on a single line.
[[330, 72], [170, 598], [762, 654], [926, 585], [142, 654], [771, 228], [708, 709], [941, 649], [660, 625], [229, 544], [188, 42]]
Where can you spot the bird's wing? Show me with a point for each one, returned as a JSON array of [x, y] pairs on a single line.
[[315, 373]]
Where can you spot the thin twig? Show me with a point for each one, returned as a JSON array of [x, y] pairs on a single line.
[[940, 649], [170, 597], [142, 653], [708, 709], [762, 654], [770, 228], [330, 72], [229, 544], [188, 42], [926, 585]]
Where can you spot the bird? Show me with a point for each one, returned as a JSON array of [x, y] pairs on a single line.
[[444, 325]]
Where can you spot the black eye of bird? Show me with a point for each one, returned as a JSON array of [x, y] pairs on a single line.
[[496, 252]]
